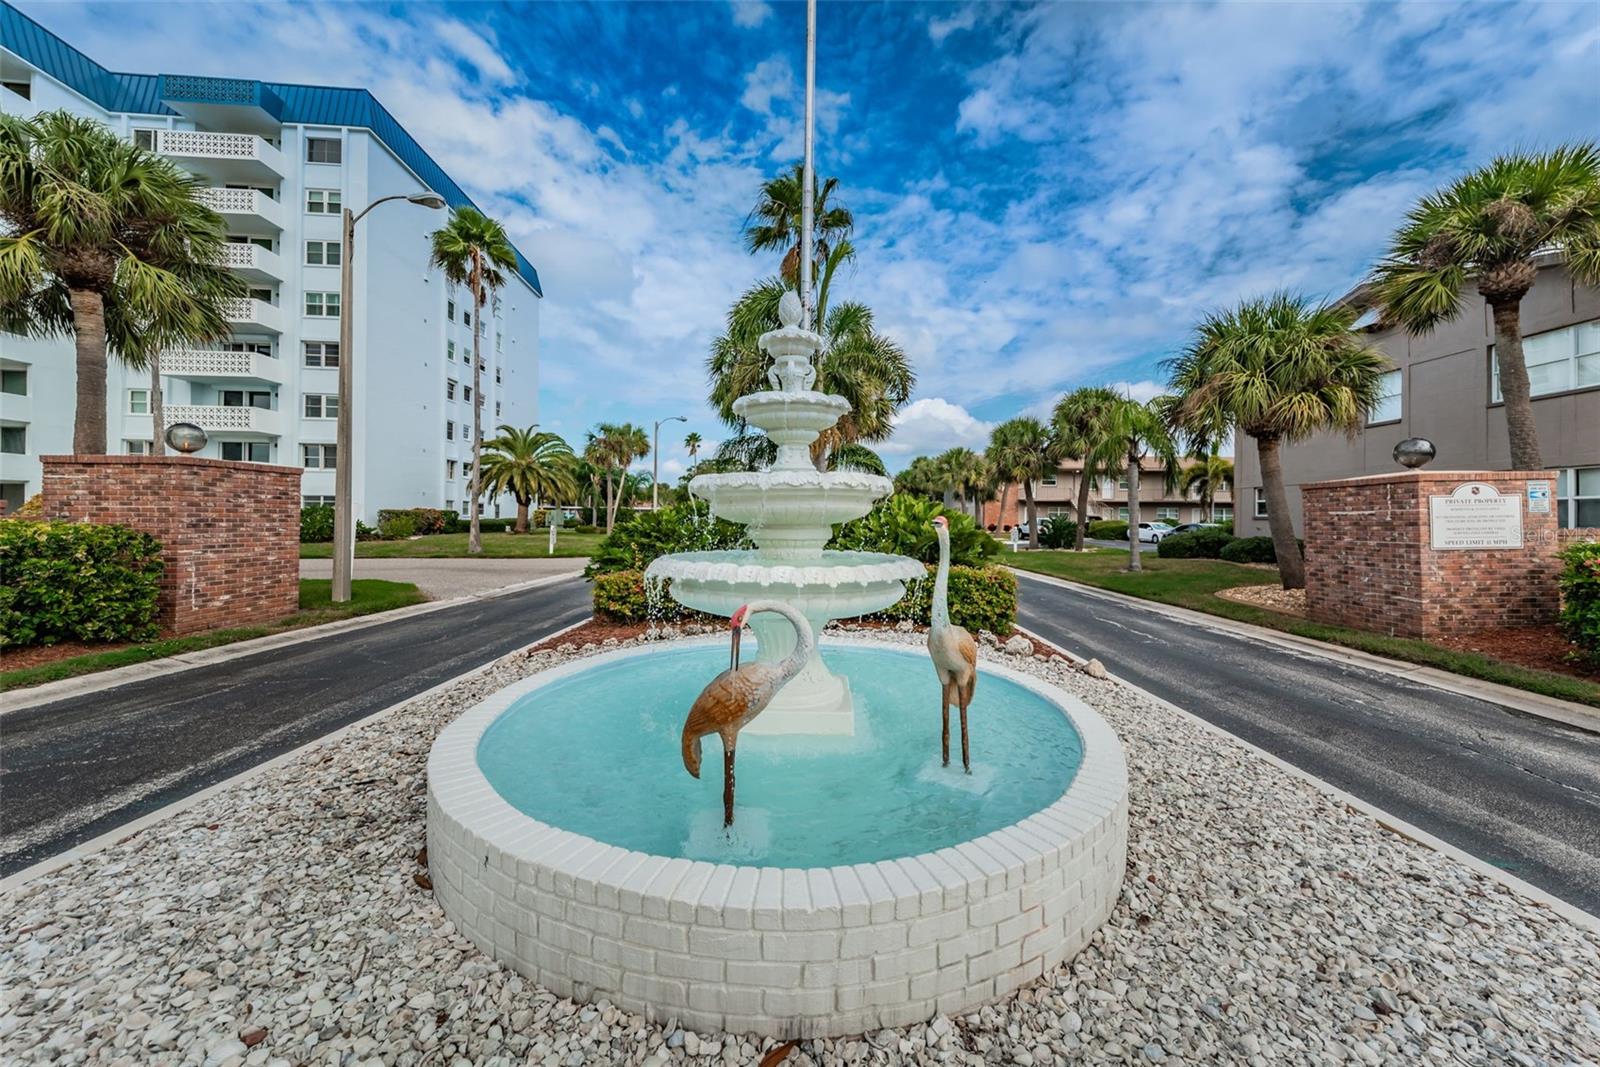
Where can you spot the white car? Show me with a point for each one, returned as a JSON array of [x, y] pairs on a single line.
[[1152, 532]]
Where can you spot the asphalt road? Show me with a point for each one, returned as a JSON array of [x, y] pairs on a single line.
[[1520, 792], [80, 767]]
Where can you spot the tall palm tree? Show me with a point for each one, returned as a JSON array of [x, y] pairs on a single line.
[[921, 477], [530, 465], [1487, 227], [856, 362], [1280, 368], [106, 242], [1024, 451], [960, 471], [473, 250], [774, 223], [1208, 477], [1134, 431], [692, 443], [1081, 425], [613, 448]]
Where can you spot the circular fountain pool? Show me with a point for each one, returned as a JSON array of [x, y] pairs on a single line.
[[864, 885]]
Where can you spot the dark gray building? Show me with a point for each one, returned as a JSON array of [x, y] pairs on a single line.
[[1445, 388]]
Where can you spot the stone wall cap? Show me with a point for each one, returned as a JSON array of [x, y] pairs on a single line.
[[1431, 476], [96, 460]]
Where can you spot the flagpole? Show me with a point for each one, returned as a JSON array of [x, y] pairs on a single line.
[[809, 180]]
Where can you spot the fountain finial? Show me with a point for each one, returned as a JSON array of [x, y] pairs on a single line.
[[789, 309]]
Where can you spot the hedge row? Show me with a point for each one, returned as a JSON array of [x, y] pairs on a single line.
[[1580, 598], [981, 598], [75, 581]]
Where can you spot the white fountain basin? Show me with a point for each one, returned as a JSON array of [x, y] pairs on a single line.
[[790, 512]]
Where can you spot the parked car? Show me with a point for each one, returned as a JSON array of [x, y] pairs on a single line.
[[1191, 527], [1152, 532]]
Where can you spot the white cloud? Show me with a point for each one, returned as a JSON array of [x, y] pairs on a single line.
[[931, 425], [750, 13], [1142, 391], [772, 78], [963, 19]]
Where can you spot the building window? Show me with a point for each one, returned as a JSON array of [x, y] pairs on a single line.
[[449, 431], [322, 305], [145, 139], [1222, 512], [22, 89], [324, 150], [1261, 503], [322, 405], [1388, 407], [450, 350], [1048, 479], [137, 448], [1122, 483], [138, 401], [1578, 497], [322, 202], [320, 457], [450, 310], [497, 382], [466, 317], [316, 501], [497, 409], [258, 347], [249, 451], [323, 253], [238, 398], [450, 470], [14, 439], [1122, 513], [466, 393], [1558, 360], [14, 382], [1167, 513], [450, 389], [322, 353], [449, 505]]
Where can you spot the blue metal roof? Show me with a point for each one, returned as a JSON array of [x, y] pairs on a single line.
[[143, 94]]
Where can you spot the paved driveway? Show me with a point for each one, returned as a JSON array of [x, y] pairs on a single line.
[[443, 579]]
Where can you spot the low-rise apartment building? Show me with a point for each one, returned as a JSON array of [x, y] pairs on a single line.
[[1445, 387], [1057, 495], [279, 163]]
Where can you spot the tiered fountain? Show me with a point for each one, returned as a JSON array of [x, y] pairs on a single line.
[[790, 510]]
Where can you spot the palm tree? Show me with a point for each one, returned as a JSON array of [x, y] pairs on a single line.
[[1487, 227], [774, 224], [1081, 425], [107, 242], [613, 448], [1280, 368], [1023, 450], [692, 443], [530, 465], [1134, 431], [921, 477], [1208, 477], [856, 362], [960, 471], [473, 250]]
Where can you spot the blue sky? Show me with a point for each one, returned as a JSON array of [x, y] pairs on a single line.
[[1046, 196]]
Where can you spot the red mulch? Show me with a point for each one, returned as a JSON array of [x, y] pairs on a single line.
[[1540, 647], [595, 631], [15, 659]]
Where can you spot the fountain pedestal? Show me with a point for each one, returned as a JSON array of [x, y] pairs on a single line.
[[790, 511]]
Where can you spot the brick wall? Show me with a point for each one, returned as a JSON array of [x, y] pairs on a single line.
[[1370, 563], [229, 532]]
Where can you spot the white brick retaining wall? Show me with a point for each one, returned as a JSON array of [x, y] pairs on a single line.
[[786, 952]]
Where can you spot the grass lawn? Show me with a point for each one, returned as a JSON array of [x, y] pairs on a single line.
[[453, 545], [1193, 583], [369, 595]]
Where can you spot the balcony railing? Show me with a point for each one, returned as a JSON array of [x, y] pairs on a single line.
[[253, 261], [249, 313], [215, 363], [232, 154], [221, 418], [243, 204]]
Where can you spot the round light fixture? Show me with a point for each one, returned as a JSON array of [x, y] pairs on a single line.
[[185, 437], [1414, 452]]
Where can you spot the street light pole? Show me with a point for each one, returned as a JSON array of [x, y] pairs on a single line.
[[808, 184], [344, 523], [655, 463]]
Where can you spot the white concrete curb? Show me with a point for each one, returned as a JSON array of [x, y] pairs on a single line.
[[49, 692], [128, 829], [1392, 823], [1520, 700]]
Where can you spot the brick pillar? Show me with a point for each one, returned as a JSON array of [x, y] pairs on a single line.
[[1372, 562], [229, 532]]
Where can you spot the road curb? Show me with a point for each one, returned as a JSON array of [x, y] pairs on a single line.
[[1565, 712], [88, 848], [50, 692], [1393, 823]]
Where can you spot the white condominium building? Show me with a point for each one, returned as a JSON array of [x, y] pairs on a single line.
[[279, 163]]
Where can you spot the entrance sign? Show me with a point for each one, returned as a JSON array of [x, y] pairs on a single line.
[[1538, 498], [1475, 515]]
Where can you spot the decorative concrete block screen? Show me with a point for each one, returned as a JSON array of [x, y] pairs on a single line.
[[229, 532], [1426, 553]]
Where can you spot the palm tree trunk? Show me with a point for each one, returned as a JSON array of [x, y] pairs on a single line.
[[1134, 562], [611, 507], [1005, 498], [475, 533], [1291, 567], [1084, 481], [522, 516], [158, 420], [89, 332], [1520, 428], [1033, 513]]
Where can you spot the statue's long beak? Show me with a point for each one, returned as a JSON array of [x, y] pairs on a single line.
[[733, 660]]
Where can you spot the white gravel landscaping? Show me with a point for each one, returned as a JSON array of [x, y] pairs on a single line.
[[281, 922]]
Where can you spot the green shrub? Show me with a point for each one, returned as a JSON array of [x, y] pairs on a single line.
[[1058, 531], [495, 525], [1226, 526], [1580, 599], [316, 523], [1196, 544], [586, 527], [649, 534], [902, 525], [620, 596], [1108, 530], [365, 532], [396, 525], [981, 598], [1253, 550], [76, 581], [423, 520]]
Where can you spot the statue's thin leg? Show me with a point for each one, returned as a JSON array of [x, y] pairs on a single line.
[[966, 752], [727, 786], [944, 712]]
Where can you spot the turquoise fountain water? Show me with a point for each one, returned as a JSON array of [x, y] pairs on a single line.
[[597, 753]]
